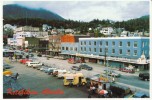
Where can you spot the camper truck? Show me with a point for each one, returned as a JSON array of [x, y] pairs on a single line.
[[74, 79]]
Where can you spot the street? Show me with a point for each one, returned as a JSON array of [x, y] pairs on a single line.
[[126, 78], [36, 80]]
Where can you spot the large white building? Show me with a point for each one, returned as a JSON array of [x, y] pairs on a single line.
[[106, 30], [28, 31]]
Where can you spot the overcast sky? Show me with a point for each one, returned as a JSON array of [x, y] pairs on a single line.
[[89, 10]]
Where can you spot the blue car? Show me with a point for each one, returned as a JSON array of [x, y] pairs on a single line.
[[140, 95]]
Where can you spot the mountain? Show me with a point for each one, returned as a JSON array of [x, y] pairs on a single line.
[[14, 11], [145, 17]]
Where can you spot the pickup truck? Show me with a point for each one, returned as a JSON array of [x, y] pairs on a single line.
[[144, 76]]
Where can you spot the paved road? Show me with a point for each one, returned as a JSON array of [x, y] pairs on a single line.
[[126, 78], [36, 80]]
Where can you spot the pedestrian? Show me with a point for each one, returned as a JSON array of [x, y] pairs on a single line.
[[113, 79], [17, 76], [91, 89], [16, 57], [99, 87]]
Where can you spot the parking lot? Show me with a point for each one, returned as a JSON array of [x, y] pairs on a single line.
[[97, 69], [36, 80]]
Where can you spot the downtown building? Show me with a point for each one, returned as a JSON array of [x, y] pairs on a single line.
[[118, 52]]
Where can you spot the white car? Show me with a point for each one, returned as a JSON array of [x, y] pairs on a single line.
[[33, 64]]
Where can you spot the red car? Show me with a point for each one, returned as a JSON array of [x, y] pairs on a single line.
[[127, 70], [23, 61], [72, 61]]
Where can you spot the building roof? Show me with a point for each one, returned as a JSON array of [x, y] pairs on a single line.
[[93, 38]]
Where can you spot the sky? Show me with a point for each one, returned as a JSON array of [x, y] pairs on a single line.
[[89, 10]]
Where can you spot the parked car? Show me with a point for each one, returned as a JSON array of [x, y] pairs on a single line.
[[111, 73], [76, 68], [120, 90], [12, 84], [50, 70], [7, 66], [74, 61], [39, 55], [24, 61], [43, 68], [84, 66], [144, 76], [31, 55], [46, 69], [139, 95], [33, 64], [127, 70]]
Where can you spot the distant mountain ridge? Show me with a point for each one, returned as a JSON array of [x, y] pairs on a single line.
[[15, 11], [145, 17]]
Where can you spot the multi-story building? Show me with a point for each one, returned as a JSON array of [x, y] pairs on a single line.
[[55, 44], [37, 44], [69, 31], [16, 42], [120, 52], [70, 44], [11, 41], [28, 31], [106, 30]]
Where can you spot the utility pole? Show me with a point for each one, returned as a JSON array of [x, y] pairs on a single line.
[[106, 62], [105, 57]]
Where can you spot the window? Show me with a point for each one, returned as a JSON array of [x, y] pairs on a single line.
[[128, 52], [94, 49], [113, 50], [135, 44], [120, 51], [81, 43], [81, 49], [120, 43], [142, 44], [100, 42], [135, 52], [100, 49], [90, 49], [84, 48], [71, 48], [94, 42], [128, 44], [75, 49], [106, 43], [66, 48], [62, 48], [106, 50], [84, 42], [89, 42], [113, 43]]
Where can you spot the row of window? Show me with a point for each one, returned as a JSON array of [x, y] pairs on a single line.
[[113, 51], [69, 48], [101, 50], [113, 43]]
